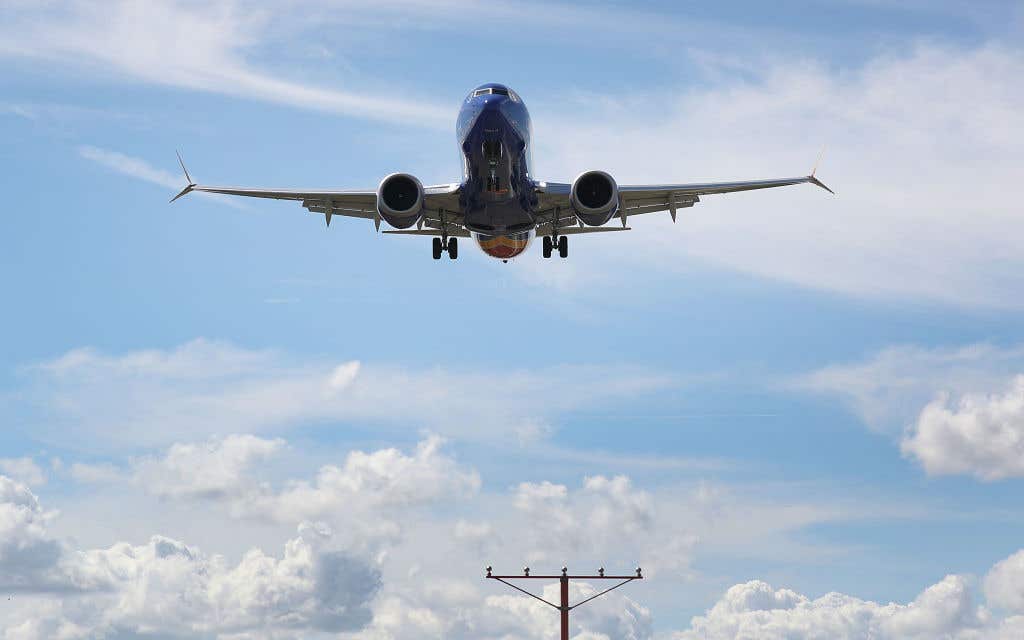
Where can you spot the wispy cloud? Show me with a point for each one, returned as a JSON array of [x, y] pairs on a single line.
[[202, 388], [193, 46], [142, 170], [926, 178]]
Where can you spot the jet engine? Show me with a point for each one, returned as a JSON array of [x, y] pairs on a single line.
[[594, 197], [400, 200]]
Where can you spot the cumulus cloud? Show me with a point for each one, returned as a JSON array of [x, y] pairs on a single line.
[[1004, 584], [215, 469], [370, 496], [981, 435], [757, 610], [28, 557], [202, 388], [170, 589], [608, 517]]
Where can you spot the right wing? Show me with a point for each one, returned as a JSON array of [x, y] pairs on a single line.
[[349, 203]]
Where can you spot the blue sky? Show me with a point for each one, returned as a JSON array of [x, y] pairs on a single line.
[[818, 393]]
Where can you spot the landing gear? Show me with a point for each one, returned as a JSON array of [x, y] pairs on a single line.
[[451, 246], [561, 243]]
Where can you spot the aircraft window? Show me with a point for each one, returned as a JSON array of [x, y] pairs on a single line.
[[481, 92], [500, 92]]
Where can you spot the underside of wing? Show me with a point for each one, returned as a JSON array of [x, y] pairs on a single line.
[[440, 202], [556, 208]]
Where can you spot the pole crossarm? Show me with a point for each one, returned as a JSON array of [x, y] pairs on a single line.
[[563, 582], [532, 595]]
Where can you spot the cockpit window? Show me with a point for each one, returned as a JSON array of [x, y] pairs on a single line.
[[490, 90]]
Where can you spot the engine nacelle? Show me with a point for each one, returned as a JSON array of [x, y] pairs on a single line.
[[594, 197], [400, 200]]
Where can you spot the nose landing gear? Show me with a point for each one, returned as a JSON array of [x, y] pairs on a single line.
[[559, 242], [451, 246]]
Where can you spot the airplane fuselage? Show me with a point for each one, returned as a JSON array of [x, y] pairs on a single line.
[[497, 197]]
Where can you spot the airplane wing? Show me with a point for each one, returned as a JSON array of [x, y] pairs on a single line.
[[349, 203], [638, 199]]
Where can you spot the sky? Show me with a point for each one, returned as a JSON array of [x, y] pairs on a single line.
[[802, 415]]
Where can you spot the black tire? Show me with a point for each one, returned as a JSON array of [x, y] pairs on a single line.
[[563, 247], [437, 248], [547, 246], [453, 248]]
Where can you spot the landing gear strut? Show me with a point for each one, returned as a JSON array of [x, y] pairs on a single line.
[[559, 242], [441, 246]]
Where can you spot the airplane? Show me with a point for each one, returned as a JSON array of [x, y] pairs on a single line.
[[499, 203]]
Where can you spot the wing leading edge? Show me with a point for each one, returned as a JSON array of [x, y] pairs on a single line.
[[350, 203], [638, 199]]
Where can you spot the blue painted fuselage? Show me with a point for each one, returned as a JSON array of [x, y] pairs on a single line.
[[497, 195]]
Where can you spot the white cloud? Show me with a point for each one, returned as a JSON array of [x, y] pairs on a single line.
[[982, 435], [202, 388], [211, 44], [215, 469], [142, 170], [912, 219], [23, 469], [889, 388], [28, 557], [370, 497], [756, 610], [95, 473], [948, 403], [607, 517], [168, 588], [1004, 584], [417, 513]]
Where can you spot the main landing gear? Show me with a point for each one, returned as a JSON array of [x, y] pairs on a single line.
[[451, 246], [560, 242]]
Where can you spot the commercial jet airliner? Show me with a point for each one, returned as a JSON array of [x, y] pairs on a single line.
[[499, 203]]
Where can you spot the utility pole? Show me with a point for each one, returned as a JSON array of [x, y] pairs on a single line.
[[563, 582]]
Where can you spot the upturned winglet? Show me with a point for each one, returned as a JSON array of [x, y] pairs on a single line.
[[813, 179], [191, 185]]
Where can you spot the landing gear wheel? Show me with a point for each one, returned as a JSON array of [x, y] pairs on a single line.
[[563, 247], [437, 248], [547, 246], [453, 248]]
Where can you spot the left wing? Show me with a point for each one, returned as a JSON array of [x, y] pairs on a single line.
[[637, 199]]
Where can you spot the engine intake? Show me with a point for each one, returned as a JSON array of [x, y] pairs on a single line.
[[594, 197], [400, 200]]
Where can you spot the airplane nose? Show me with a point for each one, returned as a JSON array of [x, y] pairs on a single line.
[[493, 103]]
